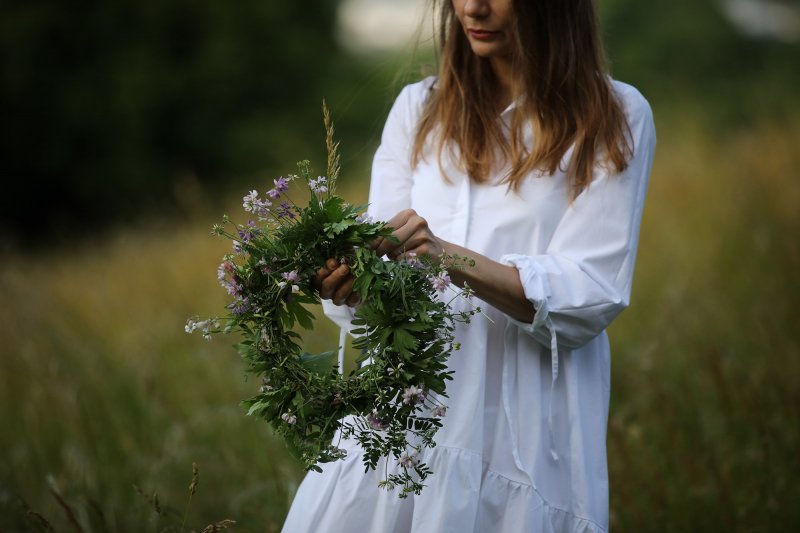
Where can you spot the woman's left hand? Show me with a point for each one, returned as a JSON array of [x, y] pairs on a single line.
[[413, 235]]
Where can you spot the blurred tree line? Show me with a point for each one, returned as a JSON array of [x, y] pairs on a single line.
[[111, 106], [688, 52]]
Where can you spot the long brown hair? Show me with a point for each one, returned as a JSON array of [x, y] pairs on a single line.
[[562, 90]]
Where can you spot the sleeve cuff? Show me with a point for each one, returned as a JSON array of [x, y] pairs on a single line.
[[533, 278], [341, 315]]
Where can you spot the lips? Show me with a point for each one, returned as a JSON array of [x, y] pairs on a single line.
[[482, 35]]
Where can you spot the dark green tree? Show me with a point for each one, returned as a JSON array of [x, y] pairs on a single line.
[[107, 104]]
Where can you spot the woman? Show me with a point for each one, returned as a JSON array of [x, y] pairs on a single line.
[[524, 156]]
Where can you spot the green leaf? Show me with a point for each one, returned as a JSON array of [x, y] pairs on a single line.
[[255, 408], [404, 342], [319, 364], [333, 229]]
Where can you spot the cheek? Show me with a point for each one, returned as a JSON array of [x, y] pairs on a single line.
[[458, 10]]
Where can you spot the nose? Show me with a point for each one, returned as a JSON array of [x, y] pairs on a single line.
[[476, 8]]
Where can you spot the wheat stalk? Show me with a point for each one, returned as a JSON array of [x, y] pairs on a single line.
[[332, 146]]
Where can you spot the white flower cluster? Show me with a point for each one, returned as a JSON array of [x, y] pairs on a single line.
[[319, 185], [205, 326], [253, 204]]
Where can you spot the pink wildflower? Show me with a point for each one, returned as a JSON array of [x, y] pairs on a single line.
[[375, 422], [292, 276], [440, 282], [413, 395], [408, 460]]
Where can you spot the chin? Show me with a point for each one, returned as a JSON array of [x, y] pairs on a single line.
[[487, 50]]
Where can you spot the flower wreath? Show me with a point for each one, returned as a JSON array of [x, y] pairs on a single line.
[[403, 327]]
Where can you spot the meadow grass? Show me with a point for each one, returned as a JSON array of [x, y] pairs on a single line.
[[101, 390], [704, 432]]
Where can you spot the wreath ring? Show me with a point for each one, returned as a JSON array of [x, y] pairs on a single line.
[[403, 326]]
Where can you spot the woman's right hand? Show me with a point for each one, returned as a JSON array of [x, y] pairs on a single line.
[[335, 282]]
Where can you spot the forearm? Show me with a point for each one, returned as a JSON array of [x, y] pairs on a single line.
[[495, 283]]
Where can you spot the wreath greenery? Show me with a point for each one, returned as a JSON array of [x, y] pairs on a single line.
[[391, 406]]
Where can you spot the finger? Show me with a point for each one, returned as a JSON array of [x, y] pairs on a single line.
[[334, 281], [419, 244], [397, 221], [401, 234], [343, 291], [411, 237], [322, 273], [354, 299]]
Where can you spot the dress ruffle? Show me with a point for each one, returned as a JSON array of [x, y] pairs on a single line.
[[461, 496]]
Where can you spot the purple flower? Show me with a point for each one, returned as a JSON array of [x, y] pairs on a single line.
[[281, 185], [292, 276], [285, 210], [240, 307], [412, 259], [413, 395], [439, 411], [375, 422], [440, 282], [232, 287], [289, 418], [273, 193]]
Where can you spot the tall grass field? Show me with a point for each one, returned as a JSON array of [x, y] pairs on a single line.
[[105, 402]]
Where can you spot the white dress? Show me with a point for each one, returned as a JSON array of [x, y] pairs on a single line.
[[523, 446]]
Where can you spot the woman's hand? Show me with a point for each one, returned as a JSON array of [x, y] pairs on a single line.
[[335, 282], [413, 234], [495, 283]]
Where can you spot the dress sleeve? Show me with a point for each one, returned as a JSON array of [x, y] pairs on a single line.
[[583, 280], [390, 185]]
